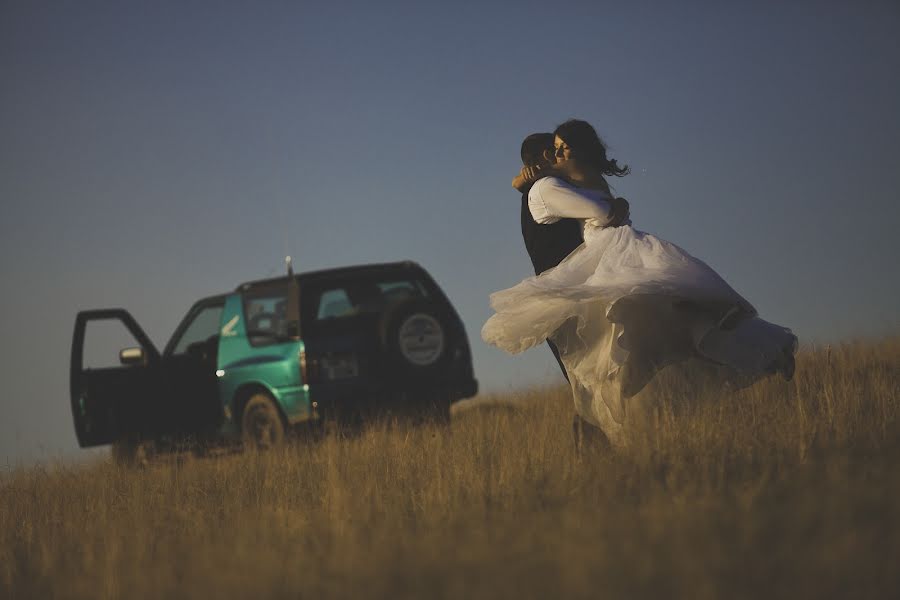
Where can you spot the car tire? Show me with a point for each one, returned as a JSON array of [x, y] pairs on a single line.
[[262, 428], [438, 409], [416, 338], [133, 452]]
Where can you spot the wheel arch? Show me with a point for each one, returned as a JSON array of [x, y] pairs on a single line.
[[243, 394]]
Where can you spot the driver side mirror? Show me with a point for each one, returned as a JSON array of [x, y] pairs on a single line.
[[132, 356]]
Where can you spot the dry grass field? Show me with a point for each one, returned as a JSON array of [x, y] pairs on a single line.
[[783, 490]]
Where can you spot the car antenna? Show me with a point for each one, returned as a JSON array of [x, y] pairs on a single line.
[[293, 301]]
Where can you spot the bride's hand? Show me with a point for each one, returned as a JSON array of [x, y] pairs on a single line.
[[620, 214], [526, 177]]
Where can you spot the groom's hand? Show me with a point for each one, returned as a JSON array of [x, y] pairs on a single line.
[[620, 213]]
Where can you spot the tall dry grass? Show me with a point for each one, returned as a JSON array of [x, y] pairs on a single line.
[[780, 490]]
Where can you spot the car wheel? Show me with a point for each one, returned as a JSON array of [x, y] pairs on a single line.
[[416, 338], [438, 409], [133, 452], [261, 425]]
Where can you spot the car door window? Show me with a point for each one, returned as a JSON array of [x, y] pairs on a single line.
[[265, 311], [103, 342], [204, 325]]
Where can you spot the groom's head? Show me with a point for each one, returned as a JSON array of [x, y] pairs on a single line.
[[537, 150]]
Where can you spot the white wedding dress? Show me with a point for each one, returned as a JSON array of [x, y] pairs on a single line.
[[624, 305]]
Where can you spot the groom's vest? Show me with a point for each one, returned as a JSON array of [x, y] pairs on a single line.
[[547, 245]]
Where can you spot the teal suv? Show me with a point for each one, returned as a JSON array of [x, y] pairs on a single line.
[[339, 344]]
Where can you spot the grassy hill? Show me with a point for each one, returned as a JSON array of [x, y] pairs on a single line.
[[779, 490]]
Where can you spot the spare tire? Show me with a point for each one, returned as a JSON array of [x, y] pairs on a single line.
[[416, 338]]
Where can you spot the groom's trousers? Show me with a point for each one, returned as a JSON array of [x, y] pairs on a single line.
[[585, 435], [555, 352]]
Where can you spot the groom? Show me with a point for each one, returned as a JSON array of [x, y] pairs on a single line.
[[547, 243], [552, 207], [551, 229]]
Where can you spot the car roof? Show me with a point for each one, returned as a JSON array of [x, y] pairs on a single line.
[[340, 272]]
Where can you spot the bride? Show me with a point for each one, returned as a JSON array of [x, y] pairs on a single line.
[[626, 304]]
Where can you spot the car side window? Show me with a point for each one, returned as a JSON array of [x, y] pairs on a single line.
[[203, 326], [333, 304], [365, 296], [402, 290]]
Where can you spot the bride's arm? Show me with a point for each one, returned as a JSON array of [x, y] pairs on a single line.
[[571, 191], [572, 170], [526, 177], [552, 198], [578, 174], [585, 176]]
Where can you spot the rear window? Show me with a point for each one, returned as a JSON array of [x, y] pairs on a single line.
[[354, 297]]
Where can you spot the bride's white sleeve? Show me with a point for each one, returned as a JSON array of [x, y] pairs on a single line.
[[552, 199]]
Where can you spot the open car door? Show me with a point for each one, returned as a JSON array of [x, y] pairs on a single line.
[[112, 402]]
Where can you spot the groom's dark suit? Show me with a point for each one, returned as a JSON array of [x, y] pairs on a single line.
[[547, 245]]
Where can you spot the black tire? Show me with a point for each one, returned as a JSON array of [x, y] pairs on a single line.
[[417, 338], [261, 425], [438, 409], [133, 452]]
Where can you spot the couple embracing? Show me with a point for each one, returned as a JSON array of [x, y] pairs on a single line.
[[615, 304]]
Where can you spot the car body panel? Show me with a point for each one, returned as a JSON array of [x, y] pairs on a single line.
[[206, 373], [274, 367], [95, 394]]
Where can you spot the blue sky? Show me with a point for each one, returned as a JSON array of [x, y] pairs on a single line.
[[155, 153]]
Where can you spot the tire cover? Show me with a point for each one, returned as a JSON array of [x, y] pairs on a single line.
[[421, 339]]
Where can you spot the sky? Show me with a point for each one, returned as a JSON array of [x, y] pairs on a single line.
[[154, 153]]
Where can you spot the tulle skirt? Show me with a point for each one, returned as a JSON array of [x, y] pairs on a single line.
[[626, 304]]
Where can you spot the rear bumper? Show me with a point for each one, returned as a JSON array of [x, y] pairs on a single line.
[[338, 399], [467, 390]]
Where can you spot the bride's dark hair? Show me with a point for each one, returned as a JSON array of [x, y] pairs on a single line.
[[587, 146]]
